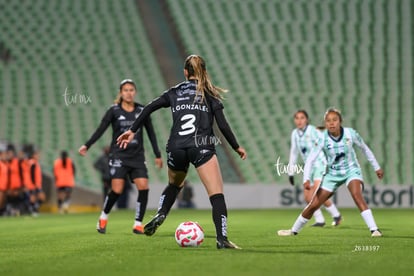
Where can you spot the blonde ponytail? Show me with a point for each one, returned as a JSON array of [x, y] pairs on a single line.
[[196, 67], [118, 99]]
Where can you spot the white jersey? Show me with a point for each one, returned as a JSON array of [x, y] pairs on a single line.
[[302, 142], [340, 154]]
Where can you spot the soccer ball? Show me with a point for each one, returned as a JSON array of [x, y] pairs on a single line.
[[189, 234]]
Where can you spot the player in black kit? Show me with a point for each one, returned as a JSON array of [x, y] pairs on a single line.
[[194, 104], [129, 161]]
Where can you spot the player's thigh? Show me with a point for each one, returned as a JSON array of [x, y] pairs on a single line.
[[308, 194], [178, 163], [355, 187], [319, 197], [210, 176], [140, 177], [117, 185], [141, 183]]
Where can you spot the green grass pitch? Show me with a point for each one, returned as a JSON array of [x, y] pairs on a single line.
[[54, 244]]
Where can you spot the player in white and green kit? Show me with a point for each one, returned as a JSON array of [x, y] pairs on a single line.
[[303, 139], [343, 168]]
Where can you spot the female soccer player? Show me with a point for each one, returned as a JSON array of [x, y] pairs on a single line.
[[64, 171], [194, 103], [34, 182], [303, 139], [15, 180], [343, 168], [4, 176], [129, 161]]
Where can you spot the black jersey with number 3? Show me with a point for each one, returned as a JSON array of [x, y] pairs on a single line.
[[193, 117], [121, 120]]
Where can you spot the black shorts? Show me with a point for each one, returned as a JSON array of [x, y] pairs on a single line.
[[65, 189], [122, 172], [35, 191], [179, 160]]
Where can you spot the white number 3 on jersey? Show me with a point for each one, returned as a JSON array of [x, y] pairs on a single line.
[[188, 127]]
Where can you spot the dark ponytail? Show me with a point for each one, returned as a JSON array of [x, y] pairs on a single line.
[[64, 156]]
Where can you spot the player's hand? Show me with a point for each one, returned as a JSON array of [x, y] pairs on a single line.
[[83, 150], [306, 185], [242, 153], [380, 173], [291, 180], [125, 138], [158, 163]]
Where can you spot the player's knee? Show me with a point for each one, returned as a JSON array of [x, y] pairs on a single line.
[[314, 204], [142, 186]]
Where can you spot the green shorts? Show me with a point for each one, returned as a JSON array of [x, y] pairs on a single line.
[[333, 182], [317, 173]]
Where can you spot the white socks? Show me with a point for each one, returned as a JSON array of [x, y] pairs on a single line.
[[369, 219], [103, 215], [299, 224], [318, 216], [137, 223], [333, 210]]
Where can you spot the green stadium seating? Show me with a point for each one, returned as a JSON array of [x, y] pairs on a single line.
[[275, 56], [279, 56], [87, 48]]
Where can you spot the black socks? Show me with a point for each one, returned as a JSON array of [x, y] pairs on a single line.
[[141, 206], [219, 212], [110, 200], [168, 198]]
